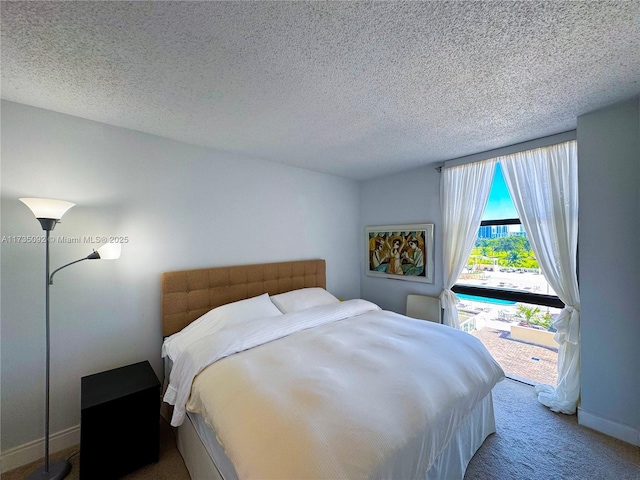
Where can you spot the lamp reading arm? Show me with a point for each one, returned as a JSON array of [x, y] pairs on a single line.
[[108, 251], [71, 263]]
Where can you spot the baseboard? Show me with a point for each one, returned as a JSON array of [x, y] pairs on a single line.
[[609, 427], [32, 451]]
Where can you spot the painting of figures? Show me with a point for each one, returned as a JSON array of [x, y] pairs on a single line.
[[402, 252]]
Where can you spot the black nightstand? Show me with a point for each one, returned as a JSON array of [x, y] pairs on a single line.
[[120, 421]]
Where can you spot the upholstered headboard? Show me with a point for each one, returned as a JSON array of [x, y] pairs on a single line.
[[189, 294]]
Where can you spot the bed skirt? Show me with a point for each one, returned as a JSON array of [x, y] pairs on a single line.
[[196, 442]]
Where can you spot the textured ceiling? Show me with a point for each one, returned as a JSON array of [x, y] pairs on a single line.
[[353, 89]]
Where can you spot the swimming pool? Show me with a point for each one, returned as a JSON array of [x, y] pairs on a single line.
[[474, 298]]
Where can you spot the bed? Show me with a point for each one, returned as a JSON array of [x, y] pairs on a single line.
[[316, 387]]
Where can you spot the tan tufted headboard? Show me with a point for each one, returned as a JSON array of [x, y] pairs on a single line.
[[189, 294]]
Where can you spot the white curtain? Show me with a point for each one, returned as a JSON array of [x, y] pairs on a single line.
[[464, 191], [544, 187]]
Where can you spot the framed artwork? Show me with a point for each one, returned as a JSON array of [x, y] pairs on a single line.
[[401, 252]]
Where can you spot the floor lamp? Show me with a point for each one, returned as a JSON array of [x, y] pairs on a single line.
[[49, 212]]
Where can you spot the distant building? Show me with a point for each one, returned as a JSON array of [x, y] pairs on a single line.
[[517, 230], [493, 231], [500, 231]]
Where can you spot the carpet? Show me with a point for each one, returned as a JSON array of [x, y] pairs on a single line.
[[533, 443]]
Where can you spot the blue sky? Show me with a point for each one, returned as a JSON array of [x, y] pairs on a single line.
[[500, 204]]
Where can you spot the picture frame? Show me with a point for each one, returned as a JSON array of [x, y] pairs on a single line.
[[400, 252]]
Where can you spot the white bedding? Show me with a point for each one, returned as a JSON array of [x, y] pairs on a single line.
[[338, 391]]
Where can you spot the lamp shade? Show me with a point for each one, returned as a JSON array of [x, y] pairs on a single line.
[[110, 251], [47, 208]]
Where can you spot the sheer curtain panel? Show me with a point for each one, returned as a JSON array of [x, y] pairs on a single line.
[[464, 191], [543, 184]]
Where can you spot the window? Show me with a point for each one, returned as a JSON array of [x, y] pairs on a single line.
[[546, 184], [502, 286], [502, 265]]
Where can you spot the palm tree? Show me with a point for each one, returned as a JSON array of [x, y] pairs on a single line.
[[513, 257], [527, 313]]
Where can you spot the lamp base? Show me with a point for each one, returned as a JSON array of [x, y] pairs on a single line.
[[57, 471]]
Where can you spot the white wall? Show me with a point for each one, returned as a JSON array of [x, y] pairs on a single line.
[[409, 197], [609, 263], [182, 206]]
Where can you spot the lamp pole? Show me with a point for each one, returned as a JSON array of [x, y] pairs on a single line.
[[48, 341], [56, 470]]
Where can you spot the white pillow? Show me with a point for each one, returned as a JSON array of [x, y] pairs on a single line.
[[302, 299], [212, 321]]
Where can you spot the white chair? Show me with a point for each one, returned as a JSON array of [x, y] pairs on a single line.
[[424, 308]]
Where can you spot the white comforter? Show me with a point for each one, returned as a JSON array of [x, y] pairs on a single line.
[[338, 391]]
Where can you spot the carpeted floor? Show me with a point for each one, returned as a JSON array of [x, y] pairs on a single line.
[[531, 443]]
